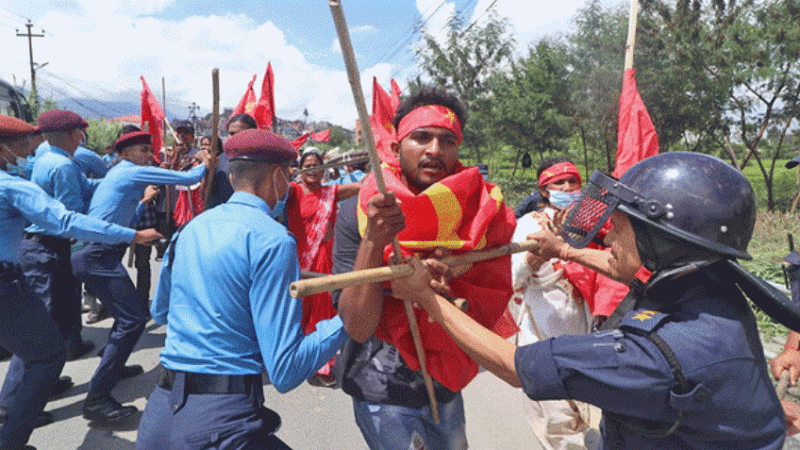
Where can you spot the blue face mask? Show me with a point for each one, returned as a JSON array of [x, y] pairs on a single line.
[[561, 199], [280, 205]]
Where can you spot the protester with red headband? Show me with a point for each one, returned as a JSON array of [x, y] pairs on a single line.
[[547, 305], [434, 203]]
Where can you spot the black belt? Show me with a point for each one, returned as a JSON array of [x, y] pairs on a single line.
[[200, 383], [47, 240]]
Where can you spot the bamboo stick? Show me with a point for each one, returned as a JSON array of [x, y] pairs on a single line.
[[631, 43], [358, 96], [336, 164], [316, 285], [214, 132]]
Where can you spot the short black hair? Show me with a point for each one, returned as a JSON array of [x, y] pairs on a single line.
[[243, 118], [430, 96], [127, 129], [245, 172], [185, 127]]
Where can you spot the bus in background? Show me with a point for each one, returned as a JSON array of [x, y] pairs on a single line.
[[13, 103]]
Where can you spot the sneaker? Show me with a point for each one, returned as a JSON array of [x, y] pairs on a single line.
[[96, 316], [44, 418], [79, 350], [106, 409]]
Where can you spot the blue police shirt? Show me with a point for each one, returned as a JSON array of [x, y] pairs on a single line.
[[90, 163], [59, 176], [713, 334], [22, 201], [119, 193], [226, 299]]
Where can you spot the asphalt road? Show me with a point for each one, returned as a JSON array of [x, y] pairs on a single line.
[[313, 417]]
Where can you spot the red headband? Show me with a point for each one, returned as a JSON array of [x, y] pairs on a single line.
[[429, 116], [558, 172]]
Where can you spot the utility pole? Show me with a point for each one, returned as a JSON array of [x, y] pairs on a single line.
[[30, 37]]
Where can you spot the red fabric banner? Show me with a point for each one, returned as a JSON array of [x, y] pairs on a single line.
[[265, 109], [153, 115], [636, 135], [462, 212], [188, 205], [395, 100], [322, 136], [247, 104], [297, 143], [381, 123]]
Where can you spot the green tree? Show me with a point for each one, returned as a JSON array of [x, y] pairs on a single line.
[[464, 63], [530, 108], [101, 134]]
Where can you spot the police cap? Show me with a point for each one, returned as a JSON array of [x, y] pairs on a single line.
[[11, 127], [133, 138], [260, 145], [60, 120]]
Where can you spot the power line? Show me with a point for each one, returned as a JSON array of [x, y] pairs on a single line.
[[18, 15], [108, 107]]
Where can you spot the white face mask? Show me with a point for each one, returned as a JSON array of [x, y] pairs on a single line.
[[561, 199]]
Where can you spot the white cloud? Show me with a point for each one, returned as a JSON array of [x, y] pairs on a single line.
[[103, 46], [362, 29]]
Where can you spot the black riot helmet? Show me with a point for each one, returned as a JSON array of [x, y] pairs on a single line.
[[684, 207]]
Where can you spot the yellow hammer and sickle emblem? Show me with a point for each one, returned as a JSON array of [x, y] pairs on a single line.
[[644, 315]]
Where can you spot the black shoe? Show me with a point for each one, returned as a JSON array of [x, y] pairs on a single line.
[[77, 351], [130, 371], [44, 418], [5, 354], [105, 409], [62, 385]]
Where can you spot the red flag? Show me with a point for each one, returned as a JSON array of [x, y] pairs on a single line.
[[636, 135], [381, 122], [247, 104], [395, 100], [153, 115], [297, 143], [322, 136], [265, 109]]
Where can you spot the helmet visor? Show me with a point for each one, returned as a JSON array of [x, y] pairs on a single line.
[[600, 198]]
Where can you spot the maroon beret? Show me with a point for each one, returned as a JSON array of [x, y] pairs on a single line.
[[11, 127], [60, 120], [133, 138], [260, 145]]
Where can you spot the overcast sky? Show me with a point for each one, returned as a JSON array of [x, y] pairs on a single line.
[[98, 48]]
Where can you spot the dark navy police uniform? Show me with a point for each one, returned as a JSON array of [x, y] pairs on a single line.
[[729, 401]]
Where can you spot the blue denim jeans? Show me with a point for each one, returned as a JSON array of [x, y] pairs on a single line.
[[391, 427]]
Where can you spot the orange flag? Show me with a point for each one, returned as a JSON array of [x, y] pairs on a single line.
[[265, 109], [247, 104], [153, 115], [636, 135], [381, 121]]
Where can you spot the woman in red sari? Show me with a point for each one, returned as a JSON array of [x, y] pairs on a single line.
[[311, 212]]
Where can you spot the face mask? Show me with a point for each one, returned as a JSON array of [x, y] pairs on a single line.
[[280, 205], [561, 199]]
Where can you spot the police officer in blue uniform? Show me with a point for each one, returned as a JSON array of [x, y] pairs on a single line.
[[224, 295], [119, 199], [45, 259], [684, 369], [26, 329]]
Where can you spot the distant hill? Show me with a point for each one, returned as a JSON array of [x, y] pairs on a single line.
[[92, 108]]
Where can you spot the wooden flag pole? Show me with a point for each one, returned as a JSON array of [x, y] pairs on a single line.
[[214, 132], [631, 43], [375, 162], [311, 286]]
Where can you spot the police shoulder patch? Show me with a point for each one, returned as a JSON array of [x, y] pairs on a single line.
[[644, 319]]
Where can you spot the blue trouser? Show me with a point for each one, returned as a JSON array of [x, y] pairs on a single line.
[[28, 332], [392, 427], [177, 420], [46, 262], [98, 266]]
